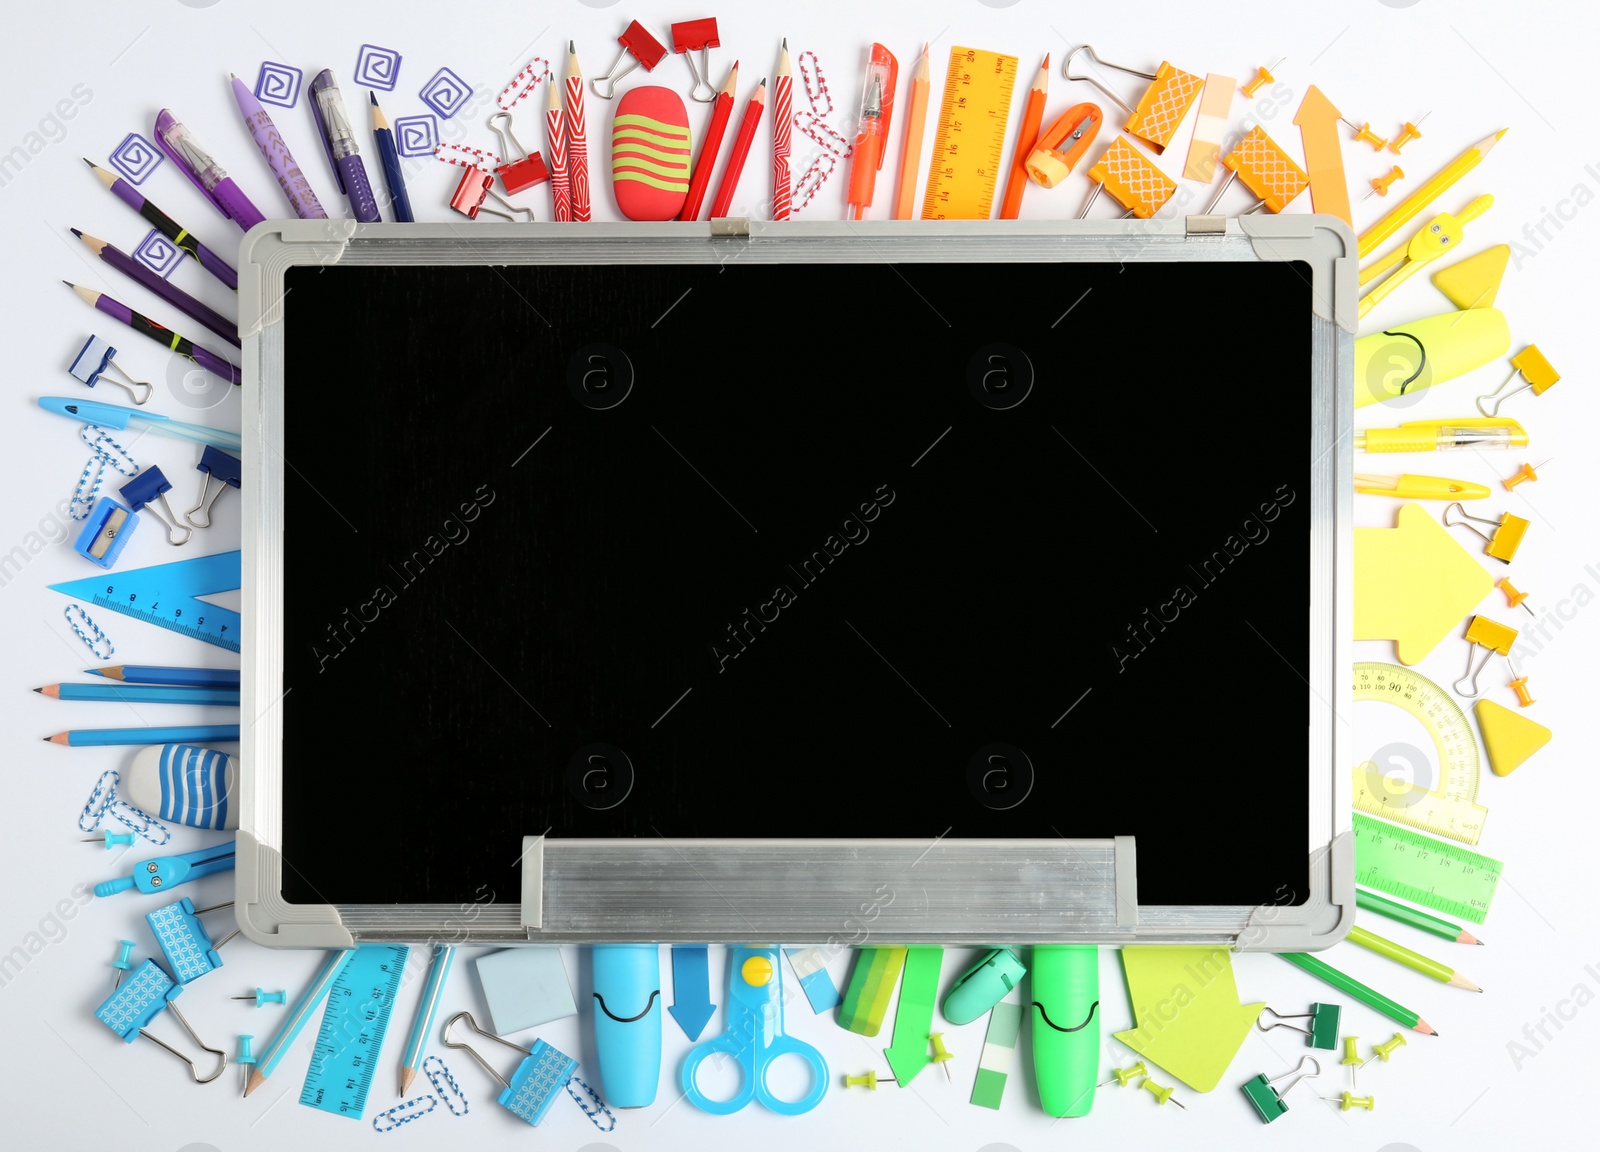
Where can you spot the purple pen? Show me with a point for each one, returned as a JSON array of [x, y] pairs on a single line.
[[204, 172], [267, 137], [340, 144]]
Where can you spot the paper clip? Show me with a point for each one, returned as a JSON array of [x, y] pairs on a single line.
[[94, 360], [106, 453], [390, 1119], [1267, 1100], [1503, 542], [226, 470], [150, 485], [527, 170], [476, 186], [689, 37], [638, 44], [523, 83], [1059, 147], [184, 940], [1160, 109], [1265, 169], [1519, 684], [438, 1074], [1323, 1031], [1534, 369], [98, 641], [1135, 183], [149, 992], [532, 1088], [1492, 637]]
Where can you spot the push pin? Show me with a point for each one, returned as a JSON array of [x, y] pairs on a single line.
[[94, 361], [1135, 183], [477, 186], [1384, 1051], [1267, 1100], [1503, 542], [867, 1080], [941, 1055], [1161, 1093], [1514, 597], [111, 840], [1407, 134], [1526, 472], [246, 1058], [1323, 1031], [1162, 107], [1366, 135], [689, 37], [151, 485], [1492, 637], [1519, 684], [226, 470], [1263, 76], [1380, 184], [263, 997], [638, 47], [1347, 1101], [122, 963], [1534, 369], [527, 170], [1123, 1075], [1352, 1057]]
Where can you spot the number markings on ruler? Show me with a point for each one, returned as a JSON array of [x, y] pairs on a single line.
[[971, 135], [353, 1027], [1400, 862]]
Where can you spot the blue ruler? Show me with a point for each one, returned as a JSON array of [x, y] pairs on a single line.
[[168, 595], [353, 1027]]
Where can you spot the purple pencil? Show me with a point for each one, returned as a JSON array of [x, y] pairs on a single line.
[[166, 337], [296, 188], [173, 295], [166, 225], [204, 172]]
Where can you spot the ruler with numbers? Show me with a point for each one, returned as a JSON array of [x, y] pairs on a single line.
[[1406, 864], [971, 135], [353, 1027]]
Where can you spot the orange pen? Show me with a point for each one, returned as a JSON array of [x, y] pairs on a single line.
[[877, 101]]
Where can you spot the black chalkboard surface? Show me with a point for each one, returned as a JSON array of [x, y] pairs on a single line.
[[806, 550]]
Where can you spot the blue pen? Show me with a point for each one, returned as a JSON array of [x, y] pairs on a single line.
[[303, 1008], [118, 417], [339, 142], [627, 1022], [443, 956]]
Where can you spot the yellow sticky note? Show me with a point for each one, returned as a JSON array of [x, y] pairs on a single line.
[[1414, 583], [1187, 1011]]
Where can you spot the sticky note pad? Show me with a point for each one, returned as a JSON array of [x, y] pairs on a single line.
[[1186, 1004], [525, 987]]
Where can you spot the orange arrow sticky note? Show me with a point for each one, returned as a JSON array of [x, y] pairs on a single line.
[[1414, 583], [1318, 121]]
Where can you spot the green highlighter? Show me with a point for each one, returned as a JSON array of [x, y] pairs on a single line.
[[1066, 1031]]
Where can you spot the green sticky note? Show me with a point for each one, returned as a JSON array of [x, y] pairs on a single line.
[[1187, 1009], [913, 1017], [999, 1048], [871, 984]]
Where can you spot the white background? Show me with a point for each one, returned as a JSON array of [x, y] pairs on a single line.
[[1475, 66]]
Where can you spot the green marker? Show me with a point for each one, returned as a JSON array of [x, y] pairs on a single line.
[[1066, 1029]]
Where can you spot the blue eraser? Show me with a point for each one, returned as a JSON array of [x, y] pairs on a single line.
[[184, 782], [627, 1022], [525, 987], [106, 532]]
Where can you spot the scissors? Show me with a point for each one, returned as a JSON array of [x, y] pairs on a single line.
[[755, 1038]]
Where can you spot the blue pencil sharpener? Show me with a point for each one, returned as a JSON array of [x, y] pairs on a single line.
[[106, 532]]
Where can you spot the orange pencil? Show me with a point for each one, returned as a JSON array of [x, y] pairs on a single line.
[[1032, 117], [741, 149], [700, 178], [911, 149]]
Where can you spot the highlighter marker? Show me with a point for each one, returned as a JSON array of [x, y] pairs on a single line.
[[877, 102], [1066, 1026], [627, 1022]]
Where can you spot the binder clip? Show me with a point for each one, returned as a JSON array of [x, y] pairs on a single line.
[[1265, 169], [1268, 1101], [1135, 183], [1492, 637], [150, 485], [1322, 1032], [476, 186], [148, 993], [1534, 369], [1062, 145], [163, 872], [527, 170], [94, 361], [226, 470], [638, 47], [532, 1088], [1503, 542], [106, 533], [1160, 109], [689, 37], [184, 940]]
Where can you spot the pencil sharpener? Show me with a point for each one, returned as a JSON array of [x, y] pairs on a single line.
[[106, 533], [524, 173]]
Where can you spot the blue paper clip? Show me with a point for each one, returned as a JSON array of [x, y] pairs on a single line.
[[164, 872], [227, 470], [532, 1088], [184, 940], [151, 485], [148, 993], [106, 533], [94, 361]]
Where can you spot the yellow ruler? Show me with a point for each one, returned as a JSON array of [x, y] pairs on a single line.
[[1447, 806], [971, 136]]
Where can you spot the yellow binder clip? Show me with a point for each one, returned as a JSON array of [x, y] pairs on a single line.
[[1265, 169], [1492, 637], [1138, 185], [1532, 366], [1162, 107], [1503, 542]]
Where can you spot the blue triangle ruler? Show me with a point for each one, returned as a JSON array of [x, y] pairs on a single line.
[[353, 1027], [167, 595]]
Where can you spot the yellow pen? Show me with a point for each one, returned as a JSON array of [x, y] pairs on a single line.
[[1410, 487], [1444, 435]]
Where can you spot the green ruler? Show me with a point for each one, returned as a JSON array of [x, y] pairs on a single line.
[[353, 1026], [1399, 862]]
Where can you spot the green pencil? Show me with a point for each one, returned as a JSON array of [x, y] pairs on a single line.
[[1352, 987], [1418, 919], [1415, 961]]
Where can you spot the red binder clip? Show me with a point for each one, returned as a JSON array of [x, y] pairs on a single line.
[[523, 172], [698, 36], [477, 186], [644, 49]]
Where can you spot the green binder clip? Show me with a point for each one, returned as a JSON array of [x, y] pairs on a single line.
[[1267, 1100], [1323, 1031]]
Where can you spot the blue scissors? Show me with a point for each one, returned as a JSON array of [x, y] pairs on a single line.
[[755, 1038]]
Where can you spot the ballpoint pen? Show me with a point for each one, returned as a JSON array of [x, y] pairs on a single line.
[[1409, 487], [117, 417], [204, 172], [181, 238], [1443, 435], [340, 144], [877, 102], [117, 310], [393, 175], [296, 189]]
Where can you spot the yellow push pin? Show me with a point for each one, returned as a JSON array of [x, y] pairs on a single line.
[[1384, 1051], [1407, 134], [1380, 184], [940, 1054], [1526, 472], [1367, 136], [1519, 684], [1161, 1094], [1123, 1075], [1514, 597], [1347, 1101], [867, 1080], [1351, 1057], [1263, 76]]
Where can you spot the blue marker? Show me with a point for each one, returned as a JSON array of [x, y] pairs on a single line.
[[627, 1022]]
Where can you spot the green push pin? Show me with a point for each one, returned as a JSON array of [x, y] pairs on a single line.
[[1384, 1051], [1124, 1075], [867, 1080], [1347, 1101], [1161, 1093], [941, 1055], [1351, 1057]]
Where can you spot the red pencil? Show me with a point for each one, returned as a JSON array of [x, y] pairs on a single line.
[[560, 186], [721, 109], [577, 138], [741, 149], [782, 110]]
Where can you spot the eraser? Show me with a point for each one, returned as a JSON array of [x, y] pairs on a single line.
[[525, 987], [650, 154], [185, 783]]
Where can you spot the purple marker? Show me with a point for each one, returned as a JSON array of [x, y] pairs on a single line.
[[205, 173], [340, 143], [293, 182]]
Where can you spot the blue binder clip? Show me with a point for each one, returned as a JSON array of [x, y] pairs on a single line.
[[163, 872], [532, 1087], [151, 485], [94, 361], [184, 940], [106, 533], [147, 994], [219, 466]]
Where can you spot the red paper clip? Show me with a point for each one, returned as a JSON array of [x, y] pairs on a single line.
[[697, 36], [644, 49]]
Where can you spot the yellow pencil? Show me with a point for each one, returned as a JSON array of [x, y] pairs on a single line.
[[1415, 961], [911, 149], [1412, 205]]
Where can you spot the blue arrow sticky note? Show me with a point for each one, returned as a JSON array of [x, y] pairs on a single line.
[[691, 989]]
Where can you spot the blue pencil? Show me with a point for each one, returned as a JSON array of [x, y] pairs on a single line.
[[171, 734], [438, 972], [155, 674], [298, 1016], [393, 176], [143, 694]]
